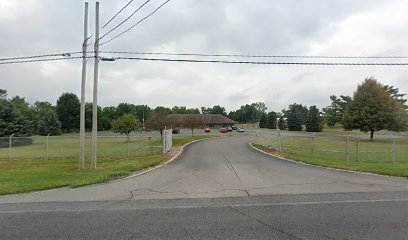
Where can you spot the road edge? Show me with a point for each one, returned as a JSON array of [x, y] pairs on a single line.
[[323, 167]]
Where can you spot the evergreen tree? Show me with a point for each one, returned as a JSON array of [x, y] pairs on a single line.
[[263, 121], [12, 121], [272, 118], [49, 124], [282, 123], [314, 122], [294, 121]]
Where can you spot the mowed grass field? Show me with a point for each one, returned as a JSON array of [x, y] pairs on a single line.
[[379, 156], [31, 171]]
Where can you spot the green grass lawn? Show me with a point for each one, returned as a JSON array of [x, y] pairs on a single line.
[[364, 155], [67, 147], [25, 175]]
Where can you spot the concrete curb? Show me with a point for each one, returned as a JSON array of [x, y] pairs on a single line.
[[330, 168]]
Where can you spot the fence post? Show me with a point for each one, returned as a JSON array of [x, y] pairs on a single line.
[[348, 149], [46, 142], [394, 151], [128, 147], [164, 141], [10, 144], [313, 136], [280, 142], [357, 150]]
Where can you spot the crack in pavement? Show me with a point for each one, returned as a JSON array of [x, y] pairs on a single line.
[[265, 224], [154, 191], [133, 193]]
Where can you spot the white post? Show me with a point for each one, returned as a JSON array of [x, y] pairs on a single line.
[[280, 142], [46, 142], [95, 90], [10, 144], [82, 118]]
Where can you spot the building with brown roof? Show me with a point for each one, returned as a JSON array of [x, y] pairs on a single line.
[[210, 120]]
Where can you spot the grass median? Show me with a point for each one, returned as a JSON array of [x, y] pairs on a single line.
[[26, 175], [380, 156]]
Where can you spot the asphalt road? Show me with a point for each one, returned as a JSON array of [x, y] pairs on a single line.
[[217, 189]]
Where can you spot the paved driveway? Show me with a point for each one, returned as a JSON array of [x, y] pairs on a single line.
[[224, 167]]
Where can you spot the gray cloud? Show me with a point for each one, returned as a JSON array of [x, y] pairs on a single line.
[[315, 27]]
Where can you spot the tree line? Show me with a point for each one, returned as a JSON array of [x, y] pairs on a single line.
[[373, 107]]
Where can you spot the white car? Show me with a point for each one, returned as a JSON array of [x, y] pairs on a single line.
[[240, 130]]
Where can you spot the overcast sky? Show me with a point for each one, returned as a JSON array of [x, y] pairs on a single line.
[[259, 27]]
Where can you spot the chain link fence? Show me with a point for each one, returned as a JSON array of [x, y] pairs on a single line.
[[67, 147], [385, 149]]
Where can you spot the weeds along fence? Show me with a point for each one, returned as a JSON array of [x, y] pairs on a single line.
[[349, 149], [67, 147]]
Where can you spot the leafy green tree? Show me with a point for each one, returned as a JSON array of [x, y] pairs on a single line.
[[24, 107], [12, 121], [214, 110], [68, 108], [164, 110], [335, 112], [126, 124], [263, 121], [314, 121], [282, 123], [272, 120], [102, 120], [246, 114], [299, 110], [399, 97], [3, 94], [124, 108], [374, 109], [184, 110], [49, 124]]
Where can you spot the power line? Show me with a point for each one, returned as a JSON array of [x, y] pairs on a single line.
[[120, 24], [263, 63], [110, 20], [254, 56], [68, 54], [141, 20], [40, 60]]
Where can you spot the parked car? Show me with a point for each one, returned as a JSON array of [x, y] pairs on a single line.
[[229, 129], [223, 130], [240, 130], [176, 131], [207, 130]]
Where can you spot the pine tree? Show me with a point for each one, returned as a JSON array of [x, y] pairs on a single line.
[[294, 122], [263, 121], [272, 116], [49, 124], [282, 123], [314, 122]]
